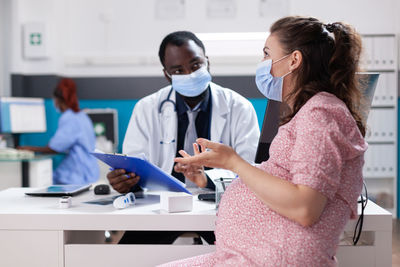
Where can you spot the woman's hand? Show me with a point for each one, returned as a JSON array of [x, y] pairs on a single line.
[[213, 155], [194, 173], [30, 148]]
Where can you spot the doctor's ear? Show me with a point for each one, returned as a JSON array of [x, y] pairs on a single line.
[[208, 64], [167, 76], [296, 58]]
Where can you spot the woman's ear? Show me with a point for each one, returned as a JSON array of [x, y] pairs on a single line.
[[296, 59]]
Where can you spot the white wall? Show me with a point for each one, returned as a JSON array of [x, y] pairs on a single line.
[[2, 63], [5, 47], [121, 37], [24, 11], [1, 48], [368, 16]]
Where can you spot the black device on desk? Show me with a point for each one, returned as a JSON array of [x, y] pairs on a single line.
[[207, 197], [102, 189]]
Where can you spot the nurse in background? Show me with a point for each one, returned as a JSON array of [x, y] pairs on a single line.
[[74, 136]]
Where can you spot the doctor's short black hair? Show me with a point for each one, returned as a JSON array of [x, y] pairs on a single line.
[[178, 38]]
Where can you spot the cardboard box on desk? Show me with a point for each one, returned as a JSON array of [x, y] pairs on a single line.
[[176, 201]]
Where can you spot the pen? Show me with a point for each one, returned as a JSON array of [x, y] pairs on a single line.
[[127, 175]]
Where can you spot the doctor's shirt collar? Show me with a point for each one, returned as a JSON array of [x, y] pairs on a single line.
[[182, 107]]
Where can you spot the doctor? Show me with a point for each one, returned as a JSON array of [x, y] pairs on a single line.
[[172, 118]]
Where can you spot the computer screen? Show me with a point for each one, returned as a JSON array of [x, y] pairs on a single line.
[[105, 124], [274, 110], [22, 115]]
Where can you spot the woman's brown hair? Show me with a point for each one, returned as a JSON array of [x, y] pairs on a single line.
[[328, 64], [66, 91]]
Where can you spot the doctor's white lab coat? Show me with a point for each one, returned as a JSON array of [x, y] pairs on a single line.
[[233, 122]]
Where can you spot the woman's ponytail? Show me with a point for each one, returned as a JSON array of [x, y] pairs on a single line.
[[343, 66]]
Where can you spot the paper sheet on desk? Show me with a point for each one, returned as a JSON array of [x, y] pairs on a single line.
[[102, 201]]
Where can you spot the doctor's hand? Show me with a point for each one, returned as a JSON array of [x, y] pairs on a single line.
[[122, 182], [213, 155], [194, 173]]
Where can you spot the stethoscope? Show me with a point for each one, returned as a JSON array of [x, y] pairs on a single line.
[[166, 101], [163, 128]]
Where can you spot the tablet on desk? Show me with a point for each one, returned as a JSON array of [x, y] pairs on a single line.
[[59, 190]]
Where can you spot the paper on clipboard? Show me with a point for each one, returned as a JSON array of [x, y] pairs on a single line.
[[151, 176]]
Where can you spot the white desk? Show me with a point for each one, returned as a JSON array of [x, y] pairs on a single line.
[[35, 232]]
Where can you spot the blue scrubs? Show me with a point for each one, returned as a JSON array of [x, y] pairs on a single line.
[[75, 136]]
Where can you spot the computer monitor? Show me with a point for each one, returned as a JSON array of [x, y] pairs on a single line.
[[22, 115], [105, 124], [274, 110]]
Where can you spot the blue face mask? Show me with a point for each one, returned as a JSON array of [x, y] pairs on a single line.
[[192, 84], [268, 85]]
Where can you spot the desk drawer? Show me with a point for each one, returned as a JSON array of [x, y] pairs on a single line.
[[20, 248], [351, 256], [152, 255], [85, 255]]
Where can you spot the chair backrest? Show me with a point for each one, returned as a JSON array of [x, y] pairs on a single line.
[[274, 110], [269, 130]]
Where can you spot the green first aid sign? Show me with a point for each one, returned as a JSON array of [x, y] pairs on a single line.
[[35, 38]]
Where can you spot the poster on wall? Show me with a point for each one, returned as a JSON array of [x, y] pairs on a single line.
[[169, 9], [221, 9], [274, 8]]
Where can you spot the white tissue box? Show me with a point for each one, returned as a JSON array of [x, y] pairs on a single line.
[[176, 202]]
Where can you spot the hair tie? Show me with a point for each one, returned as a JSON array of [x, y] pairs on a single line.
[[330, 27]]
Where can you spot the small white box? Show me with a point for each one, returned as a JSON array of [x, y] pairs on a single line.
[[176, 202]]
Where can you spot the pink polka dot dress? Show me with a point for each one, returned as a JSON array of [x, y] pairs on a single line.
[[322, 148]]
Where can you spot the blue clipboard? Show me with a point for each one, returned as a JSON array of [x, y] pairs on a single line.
[[151, 176]]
